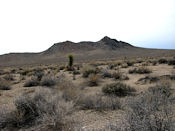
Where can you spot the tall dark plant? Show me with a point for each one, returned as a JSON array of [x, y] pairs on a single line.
[[71, 60]]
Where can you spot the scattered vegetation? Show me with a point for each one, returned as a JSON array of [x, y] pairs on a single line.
[[32, 82], [9, 77], [93, 80], [171, 62], [42, 110], [163, 61], [140, 70], [87, 70], [151, 111], [48, 80], [119, 76], [98, 102], [106, 74], [118, 89], [4, 85]]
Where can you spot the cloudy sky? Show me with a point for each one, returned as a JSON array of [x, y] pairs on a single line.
[[34, 25]]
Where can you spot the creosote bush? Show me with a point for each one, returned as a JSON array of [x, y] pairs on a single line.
[[140, 70], [119, 76], [118, 89], [171, 62], [87, 70], [162, 88], [48, 80], [9, 77], [4, 85], [163, 61], [32, 82], [93, 80], [106, 74], [42, 109], [98, 102], [152, 110]]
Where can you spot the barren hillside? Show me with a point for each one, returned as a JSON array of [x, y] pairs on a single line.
[[106, 48]]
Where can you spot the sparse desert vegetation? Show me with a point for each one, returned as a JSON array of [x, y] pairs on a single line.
[[116, 95]]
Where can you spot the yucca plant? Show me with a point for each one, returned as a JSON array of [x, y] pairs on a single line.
[[71, 61]]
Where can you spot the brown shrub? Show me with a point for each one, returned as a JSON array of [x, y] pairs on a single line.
[[118, 89], [4, 85], [44, 108], [98, 102], [140, 70], [93, 80]]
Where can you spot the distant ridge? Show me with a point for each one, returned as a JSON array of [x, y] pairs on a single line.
[[105, 43], [84, 51]]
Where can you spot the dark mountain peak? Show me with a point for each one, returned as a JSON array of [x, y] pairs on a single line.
[[107, 39]]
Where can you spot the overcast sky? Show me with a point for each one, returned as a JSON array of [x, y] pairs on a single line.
[[34, 25]]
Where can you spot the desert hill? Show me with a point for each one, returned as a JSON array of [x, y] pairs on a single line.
[[106, 48]]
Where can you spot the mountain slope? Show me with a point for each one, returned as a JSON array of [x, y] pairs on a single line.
[[106, 48]]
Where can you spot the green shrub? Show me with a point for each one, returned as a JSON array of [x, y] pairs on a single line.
[[118, 89], [163, 61]]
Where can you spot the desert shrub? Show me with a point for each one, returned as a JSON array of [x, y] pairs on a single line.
[[118, 89], [9, 77], [111, 66], [93, 80], [13, 71], [89, 71], [119, 76], [4, 85], [39, 75], [163, 61], [44, 108], [150, 79], [61, 67], [106, 74], [98, 102], [171, 62], [125, 65], [140, 70], [154, 63], [151, 111], [75, 72], [32, 82], [163, 88], [25, 72], [2, 72], [48, 80], [130, 63]]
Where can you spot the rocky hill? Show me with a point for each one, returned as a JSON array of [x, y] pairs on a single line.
[[106, 48]]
